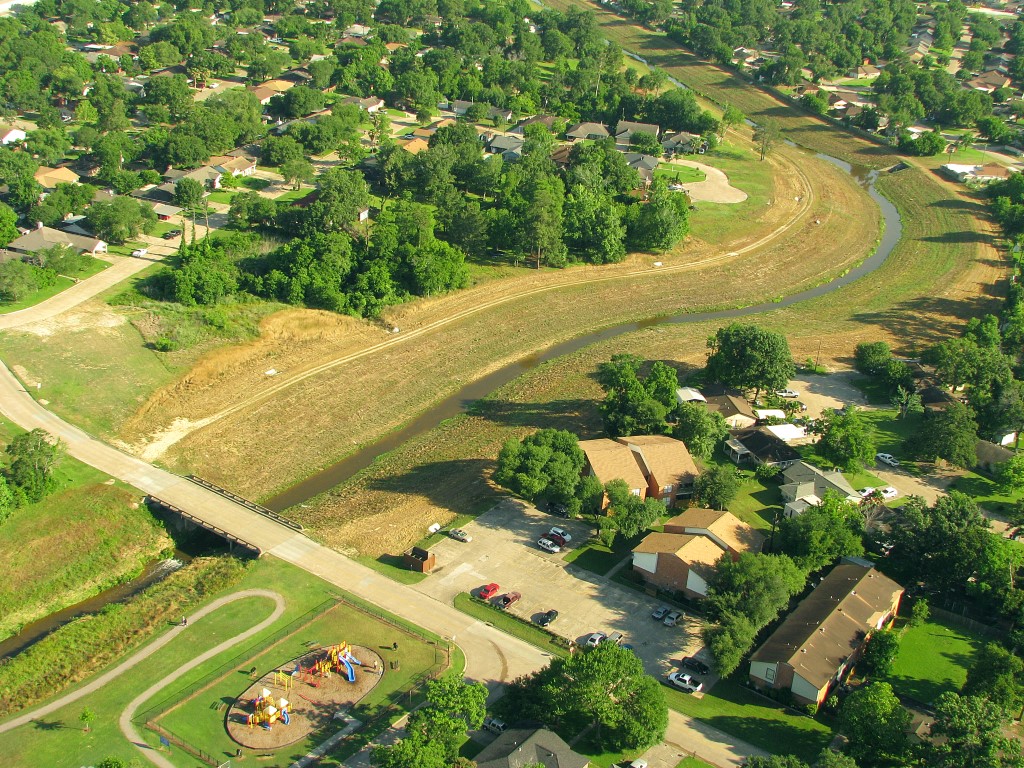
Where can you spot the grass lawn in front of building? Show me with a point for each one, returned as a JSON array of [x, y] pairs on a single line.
[[933, 658]]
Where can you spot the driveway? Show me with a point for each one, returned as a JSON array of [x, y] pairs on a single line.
[[504, 550], [835, 390]]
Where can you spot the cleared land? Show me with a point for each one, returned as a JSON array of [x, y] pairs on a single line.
[[934, 280], [262, 416]]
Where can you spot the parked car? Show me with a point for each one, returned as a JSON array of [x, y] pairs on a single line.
[[696, 665], [564, 534], [595, 639], [140, 252], [888, 458], [489, 591], [460, 535], [494, 725], [559, 509], [506, 600], [787, 393], [660, 612], [888, 492], [672, 618], [684, 682], [546, 618], [172, 234], [555, 538], [615, 638], [548, 545], [638, 763]]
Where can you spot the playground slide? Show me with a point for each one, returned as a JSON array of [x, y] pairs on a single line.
[[353, 659], [350, 672]]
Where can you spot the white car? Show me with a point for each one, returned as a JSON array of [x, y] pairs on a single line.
[[675, 187], [787, 393], [684, 682], [888, 492], [672, 619], [888, 458], [140, 252], [595, 639], [548, 545], [566, 536]]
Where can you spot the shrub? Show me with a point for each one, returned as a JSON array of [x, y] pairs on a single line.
[[164, 344], [765, 472]]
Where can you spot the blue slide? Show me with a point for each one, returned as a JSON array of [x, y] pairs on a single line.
[[350, 672], [353, 659]]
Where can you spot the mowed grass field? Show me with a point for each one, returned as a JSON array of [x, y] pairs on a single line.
[[90, 533], [92, 266], [59, 740], [934, 658]]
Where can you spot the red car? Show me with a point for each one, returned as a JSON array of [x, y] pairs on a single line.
[[486, 593], [506, 600]]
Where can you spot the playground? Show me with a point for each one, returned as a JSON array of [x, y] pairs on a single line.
[[305, 695]]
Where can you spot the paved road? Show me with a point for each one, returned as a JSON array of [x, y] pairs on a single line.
[[492, 657]]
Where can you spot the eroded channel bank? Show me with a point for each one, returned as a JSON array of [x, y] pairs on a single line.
[[460, 401]]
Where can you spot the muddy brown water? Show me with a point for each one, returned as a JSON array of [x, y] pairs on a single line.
[[460, 401]]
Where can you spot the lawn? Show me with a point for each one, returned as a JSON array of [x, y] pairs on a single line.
[[82, 538], [508, 624], [933, 659], [594, 556], [693, 762], [59, 740], [738, 711], [292, 194], [224, 196], [61, 283], [682, 174]]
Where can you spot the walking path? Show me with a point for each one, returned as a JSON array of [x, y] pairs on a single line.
[[492, 657], [148, 651]]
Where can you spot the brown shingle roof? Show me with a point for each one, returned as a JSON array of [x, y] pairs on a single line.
[[664, 457], [831, 622], [699, 552], [725, 526], [610, 460]]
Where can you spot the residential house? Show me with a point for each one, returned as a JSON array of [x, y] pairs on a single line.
[[206, 175], [805, 485], [509, 147], [584, 131], [165, 211], [819, 642], [677, 562], [759, 446], [989, 455], [156, 194], [520, 747], [12, 136], [645, 165], [867, 72], [935, 398], [561, 155], [503, 114], [262, 93], [730, 533], [683, 557], [625, 129], [989, 81], [279, 85], [358, 30], [680, 143], [732, 405], [49, 178], [370, 104], [548, 121], [609, 460], [788, 433], [666, 464], [234, 166], [460, 107], [414, 145], [41, 238]]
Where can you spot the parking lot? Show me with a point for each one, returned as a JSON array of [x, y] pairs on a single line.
[[504, 550], [832, 391]]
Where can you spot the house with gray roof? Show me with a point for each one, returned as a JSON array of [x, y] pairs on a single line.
[[520, 747], [41, 238]]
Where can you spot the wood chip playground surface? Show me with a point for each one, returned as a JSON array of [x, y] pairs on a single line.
[[314, 699]]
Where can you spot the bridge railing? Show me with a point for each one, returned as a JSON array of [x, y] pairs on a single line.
[[231, 538], [242, 501]]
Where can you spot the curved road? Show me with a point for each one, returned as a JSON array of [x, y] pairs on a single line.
[[492, 657]]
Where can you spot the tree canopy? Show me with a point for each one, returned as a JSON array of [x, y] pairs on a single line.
[[749, 357]]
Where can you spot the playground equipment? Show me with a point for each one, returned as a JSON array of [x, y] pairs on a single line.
[[265, 714], [336, 658]]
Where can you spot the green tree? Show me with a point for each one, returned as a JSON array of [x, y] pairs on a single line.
[[881, 652], [629, 407], [630, 514], [950, 434], [34, 455], [120, 219], [729, 640], [545, 464], [971, 734], [702, 430], [18, 279], [822, 534], [731, 117], [756, 586], [1010, 474], [871, 357], [8, 500], [189, 194], [452, 708], [766, 136], [85, 718], [749, 357], [717, 486], [875, 723], [661, 222], [297, 171], [8, 224], [605, 687], [775, 761], [831, 759], [646, 143], [906, 401], [919, 612], [846, 439], [996, 675]]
